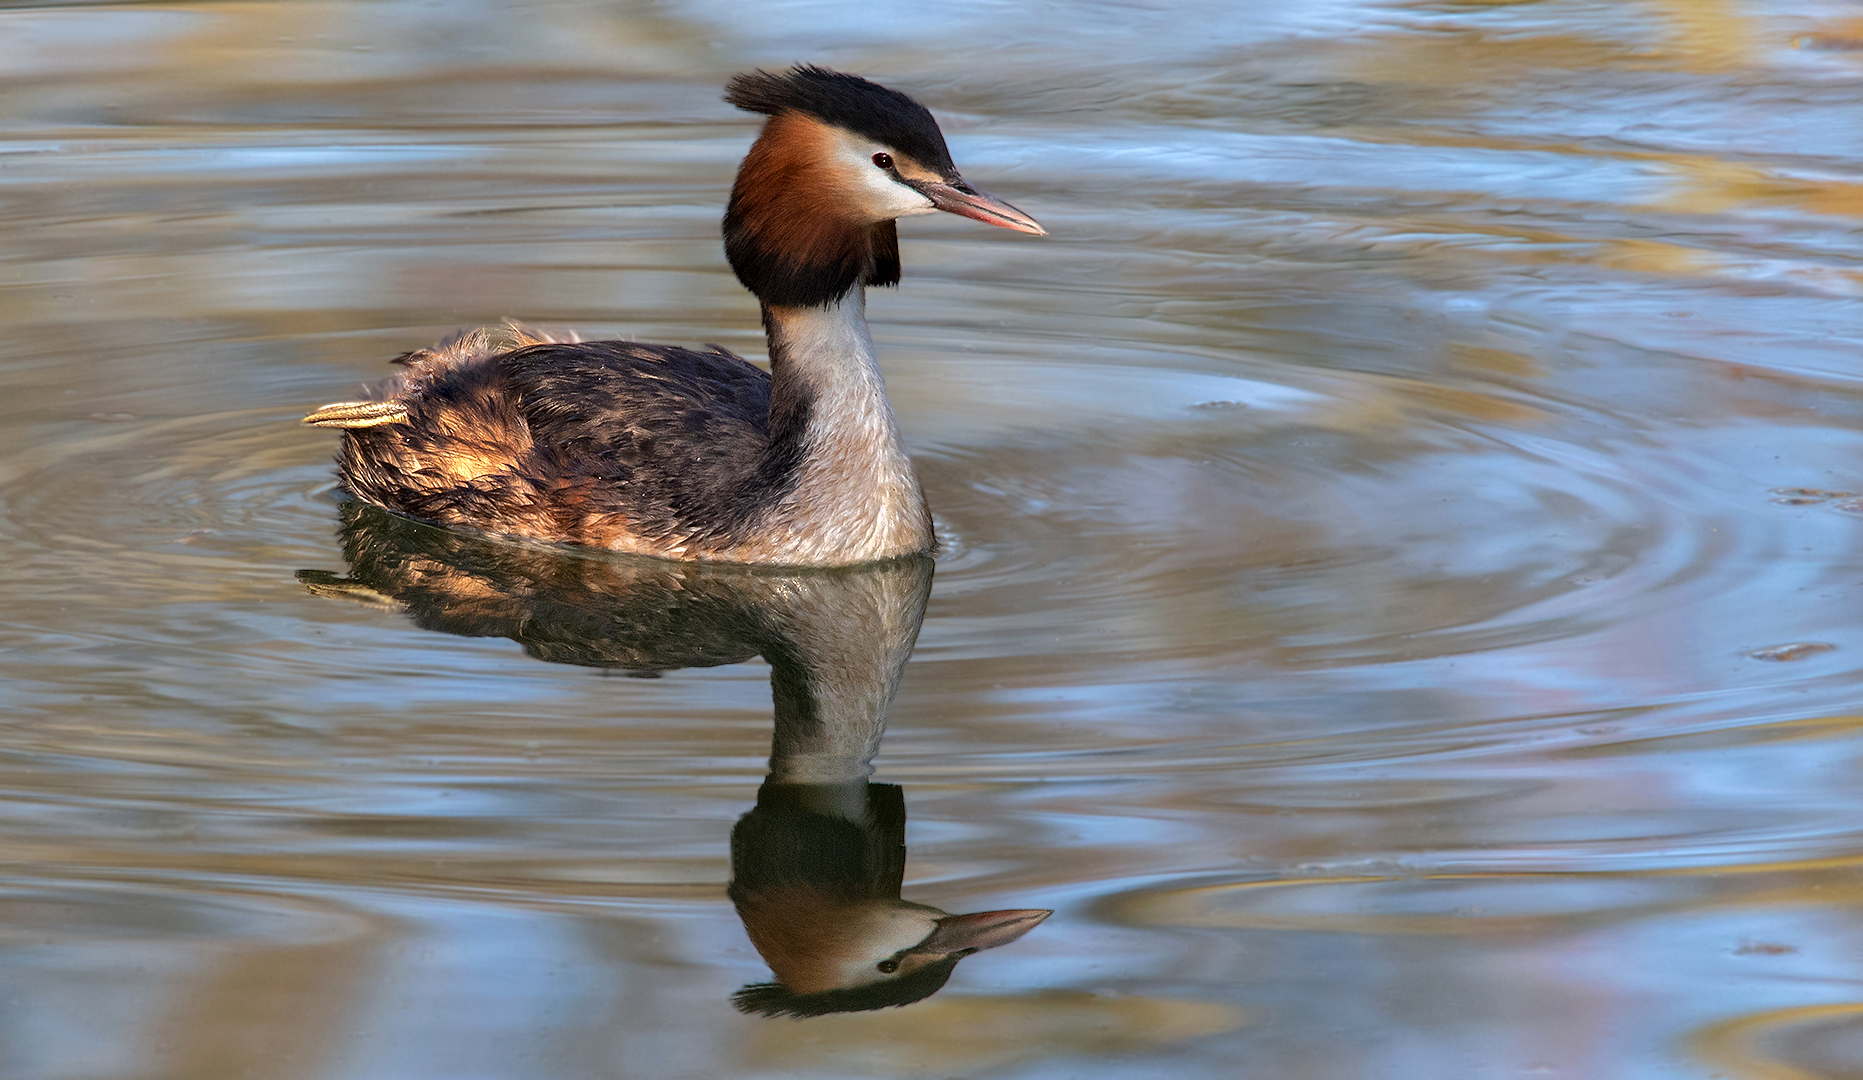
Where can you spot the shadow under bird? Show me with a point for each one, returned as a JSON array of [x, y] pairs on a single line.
[[697, 454], [817, 866]]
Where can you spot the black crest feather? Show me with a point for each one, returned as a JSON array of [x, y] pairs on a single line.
[[847, 101], [774, 999]]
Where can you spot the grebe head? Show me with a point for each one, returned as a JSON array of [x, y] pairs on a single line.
[[874, 955], [811, 215]]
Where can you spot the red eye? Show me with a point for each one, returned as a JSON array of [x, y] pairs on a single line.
[[884, 161]]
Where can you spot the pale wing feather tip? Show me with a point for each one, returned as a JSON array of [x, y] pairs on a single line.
[[358, 414]]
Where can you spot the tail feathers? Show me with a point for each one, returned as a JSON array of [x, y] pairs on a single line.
[[358, 414], [462, 348]]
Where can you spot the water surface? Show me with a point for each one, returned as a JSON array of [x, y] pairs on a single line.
[[1399, 585]]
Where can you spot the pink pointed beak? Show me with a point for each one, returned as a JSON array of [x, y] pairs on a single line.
[[966, 934], [961, 198]]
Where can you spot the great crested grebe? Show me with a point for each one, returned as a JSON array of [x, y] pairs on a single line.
[[689, 454]]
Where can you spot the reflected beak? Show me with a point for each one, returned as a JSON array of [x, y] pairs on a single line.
[[961, 198], [966, 934]]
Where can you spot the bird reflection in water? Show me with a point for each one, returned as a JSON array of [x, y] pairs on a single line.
[[818, 863]]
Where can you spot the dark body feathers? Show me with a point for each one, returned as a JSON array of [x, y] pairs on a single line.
[[649, 448]]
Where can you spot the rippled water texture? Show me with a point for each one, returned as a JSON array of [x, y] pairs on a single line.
[[1400, 587]]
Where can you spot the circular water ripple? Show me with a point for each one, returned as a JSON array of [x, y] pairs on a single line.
[[1290, 537], [149, 565], [141, 913], [135, 501]]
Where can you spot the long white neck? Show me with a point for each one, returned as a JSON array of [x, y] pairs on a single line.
[[851, 495]]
